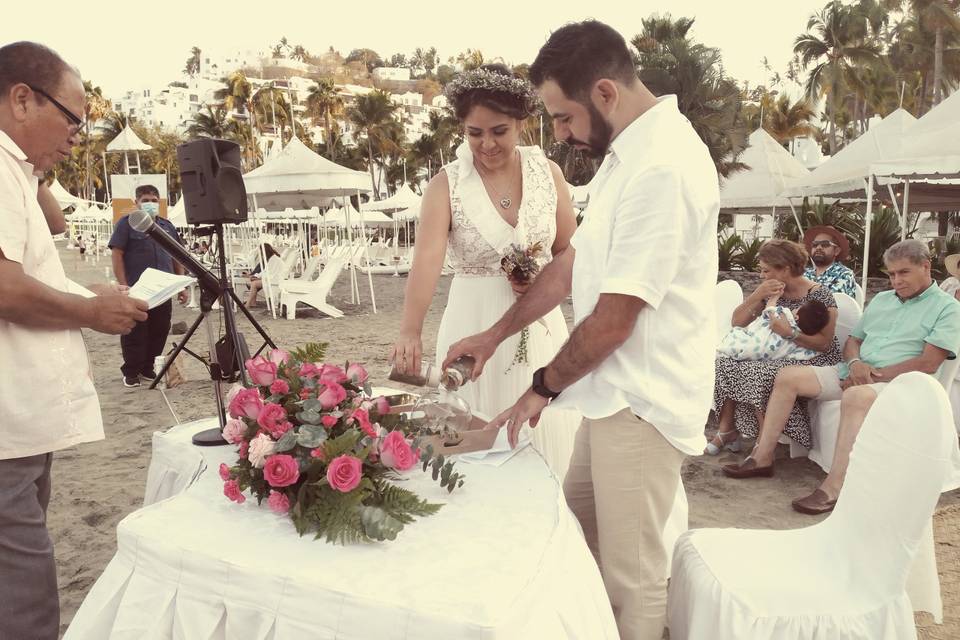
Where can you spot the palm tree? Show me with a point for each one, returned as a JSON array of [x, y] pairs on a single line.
[[786, 120], [237, 93], [939, 16], [324, 102], [211, 123], [300, 53], [97, 108], [374, 117], [670, 62], [836, 42], [192, 67]]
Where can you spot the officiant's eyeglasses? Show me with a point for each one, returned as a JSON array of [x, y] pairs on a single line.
[[76, 122], [823, 243]]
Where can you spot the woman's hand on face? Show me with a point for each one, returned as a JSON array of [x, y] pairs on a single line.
[[406, 354], [769, 288]]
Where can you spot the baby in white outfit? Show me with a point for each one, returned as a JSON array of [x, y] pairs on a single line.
[[757, 341]]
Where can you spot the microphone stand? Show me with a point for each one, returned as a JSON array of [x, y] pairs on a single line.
[[227, 297]]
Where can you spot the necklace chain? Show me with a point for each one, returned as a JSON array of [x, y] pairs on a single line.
[[505, 200]]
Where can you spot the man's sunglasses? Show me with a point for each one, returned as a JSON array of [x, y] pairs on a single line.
[[74, 120], [822, 243]]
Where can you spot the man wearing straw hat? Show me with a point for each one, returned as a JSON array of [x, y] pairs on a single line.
[[952, 284], [47, 398], [827, 248]]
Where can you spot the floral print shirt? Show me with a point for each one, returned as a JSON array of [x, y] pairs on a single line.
[[838, 278]]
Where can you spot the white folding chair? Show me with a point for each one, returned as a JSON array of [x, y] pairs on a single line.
[[846, 576], [313, 293], [861, 296], [727, 297]]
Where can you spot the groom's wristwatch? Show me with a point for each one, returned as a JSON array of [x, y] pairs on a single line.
[[540, 388]]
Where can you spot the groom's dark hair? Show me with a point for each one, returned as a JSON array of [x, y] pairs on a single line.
[[578, 54]]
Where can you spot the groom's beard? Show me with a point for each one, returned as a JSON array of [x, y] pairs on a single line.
[[601, 133]]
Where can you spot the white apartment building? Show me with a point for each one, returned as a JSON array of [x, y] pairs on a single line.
[[391, 73]]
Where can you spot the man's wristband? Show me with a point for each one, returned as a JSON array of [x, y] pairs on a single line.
[[852, 360]]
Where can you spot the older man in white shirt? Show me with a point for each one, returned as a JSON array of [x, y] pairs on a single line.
[[642, 268], [47, 398]]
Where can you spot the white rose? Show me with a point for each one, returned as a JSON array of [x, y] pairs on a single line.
[[261, 447]]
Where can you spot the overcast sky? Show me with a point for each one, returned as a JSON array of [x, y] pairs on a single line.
[[125, 45]]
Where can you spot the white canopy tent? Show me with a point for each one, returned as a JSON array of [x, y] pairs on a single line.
[[125, 142], [64, 197], [300, 178], [758, 189], [404, 198]]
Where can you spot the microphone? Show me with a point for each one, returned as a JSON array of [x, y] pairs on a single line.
[[142, 221]]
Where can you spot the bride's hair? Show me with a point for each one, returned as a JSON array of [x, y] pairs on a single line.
[[493, 86]]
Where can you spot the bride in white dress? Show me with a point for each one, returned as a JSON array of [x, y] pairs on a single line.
[[495, 195]]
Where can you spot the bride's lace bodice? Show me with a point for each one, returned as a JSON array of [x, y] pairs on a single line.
[[479, 236]]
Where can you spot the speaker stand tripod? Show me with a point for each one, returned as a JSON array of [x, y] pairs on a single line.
[[227, 297]]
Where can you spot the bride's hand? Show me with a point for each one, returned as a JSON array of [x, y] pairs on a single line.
[[406, 354]]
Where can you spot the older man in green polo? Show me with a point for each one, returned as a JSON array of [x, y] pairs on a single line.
[[914, 327]]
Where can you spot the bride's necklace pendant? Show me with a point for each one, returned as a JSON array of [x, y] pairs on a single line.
[[505, 203]]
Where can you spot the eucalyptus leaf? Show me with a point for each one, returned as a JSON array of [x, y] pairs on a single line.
[[309, 417], [286, 442], [311, 436]]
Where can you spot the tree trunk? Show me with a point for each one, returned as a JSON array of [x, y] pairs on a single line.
[[937, 66], [328, 126], [373, 179], [832, 135], [943, 219]]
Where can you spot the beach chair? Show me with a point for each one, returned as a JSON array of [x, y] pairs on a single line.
[[313, 293], [277, 271], [854, 574], [727, 297]]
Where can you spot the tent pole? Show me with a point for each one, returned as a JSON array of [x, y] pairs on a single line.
[[906, 207], [795, 216], [866, 231], [900, 216], [366, 253]]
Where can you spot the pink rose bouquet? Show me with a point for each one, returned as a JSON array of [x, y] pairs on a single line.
[[314, 443]]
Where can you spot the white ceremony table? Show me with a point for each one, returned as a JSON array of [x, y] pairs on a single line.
[[504, 558]]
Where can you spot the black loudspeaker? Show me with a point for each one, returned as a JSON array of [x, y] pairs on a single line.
[[213, 190]]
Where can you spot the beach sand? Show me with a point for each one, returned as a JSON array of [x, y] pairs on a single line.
[[96, 485]]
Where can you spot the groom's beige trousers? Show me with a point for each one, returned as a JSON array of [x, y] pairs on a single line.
[[621, 486]]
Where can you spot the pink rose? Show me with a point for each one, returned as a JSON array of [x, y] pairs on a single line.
[[344, 473], [279, 503], [304, 394], [279, 356], [224, 472], [357, 373], [261, 371], [309, 370], [281, 470], [383, 405], [273, 418], [318, 453], [280, 387], [233, 391], [232, 490], [328, 421], [243, 449], [246, 404], [332, 395], [396, 453], [234, 430], [363, 419], [331, 373]]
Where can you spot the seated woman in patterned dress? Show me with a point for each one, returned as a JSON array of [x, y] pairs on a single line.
[[743, 386]]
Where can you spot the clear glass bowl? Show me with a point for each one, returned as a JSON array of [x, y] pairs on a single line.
[[444, 413]]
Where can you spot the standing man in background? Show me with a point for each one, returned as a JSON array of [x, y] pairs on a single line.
[[133, 253]]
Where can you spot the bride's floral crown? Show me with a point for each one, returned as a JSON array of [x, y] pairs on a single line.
[[487, 80]]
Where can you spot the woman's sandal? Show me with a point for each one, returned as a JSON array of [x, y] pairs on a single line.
[[722, 441]]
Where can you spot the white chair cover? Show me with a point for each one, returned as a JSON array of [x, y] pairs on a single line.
[[846, 576], [848, 315], [729, 296], [861, 296]]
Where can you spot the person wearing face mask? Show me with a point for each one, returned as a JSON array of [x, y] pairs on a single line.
[[47, 398], [133, 253], [495, 195]]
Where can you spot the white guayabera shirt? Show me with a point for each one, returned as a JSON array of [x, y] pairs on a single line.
[[47, 399], [650, 231]]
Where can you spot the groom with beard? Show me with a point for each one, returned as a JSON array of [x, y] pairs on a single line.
[[642, 268], [827, 247]]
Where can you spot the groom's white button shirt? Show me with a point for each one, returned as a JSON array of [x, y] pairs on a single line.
[[650, 231], [47, 398]]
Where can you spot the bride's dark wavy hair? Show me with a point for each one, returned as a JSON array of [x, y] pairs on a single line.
[[493, 86]]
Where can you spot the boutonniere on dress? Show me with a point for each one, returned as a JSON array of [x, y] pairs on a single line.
[[521, 266]]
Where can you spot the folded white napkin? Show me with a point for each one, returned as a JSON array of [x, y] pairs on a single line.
[[499, 452]]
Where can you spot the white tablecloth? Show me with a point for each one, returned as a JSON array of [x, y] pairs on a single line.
[[503, 558]]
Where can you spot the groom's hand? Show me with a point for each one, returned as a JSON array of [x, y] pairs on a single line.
[[481, 346], [528, 407]]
